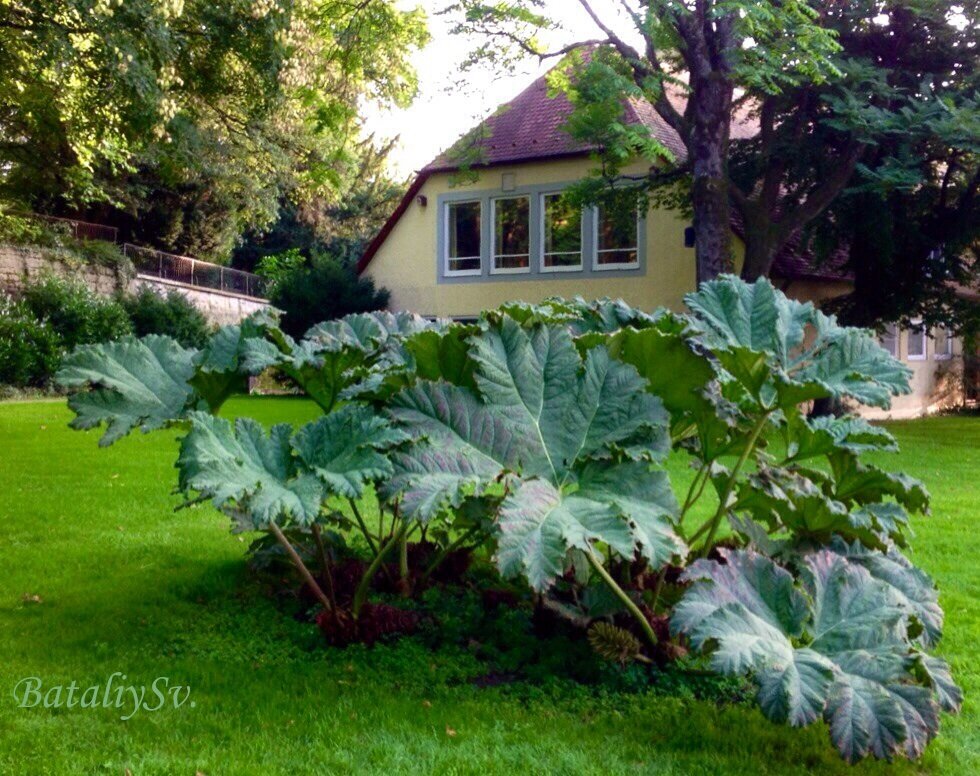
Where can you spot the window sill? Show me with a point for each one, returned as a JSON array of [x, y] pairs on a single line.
[[605, 267], [517, 271]]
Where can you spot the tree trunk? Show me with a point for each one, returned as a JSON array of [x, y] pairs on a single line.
[[760, 251], [709, 151]]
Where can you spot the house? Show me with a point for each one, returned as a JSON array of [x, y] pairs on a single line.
[[458, 244]]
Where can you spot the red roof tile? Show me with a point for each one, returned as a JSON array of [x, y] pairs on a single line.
[[529, 127]]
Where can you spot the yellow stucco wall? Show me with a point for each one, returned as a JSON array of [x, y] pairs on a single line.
[[406, 263]]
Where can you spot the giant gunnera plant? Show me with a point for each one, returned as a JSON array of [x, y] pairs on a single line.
[[542, 434]]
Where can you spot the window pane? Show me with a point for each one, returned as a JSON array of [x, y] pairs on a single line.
[[464, 236], [917, 342], [511, 233], [944, 343], [617, 235], [562, 233], [889, 339]]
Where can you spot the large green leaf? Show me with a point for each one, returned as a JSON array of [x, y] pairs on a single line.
[[623, 505], [461, 448], [785, 352], [674, 372], [571, 436], [853, 364], [911, 587], [813, 437], [836, 646], [126, 384], [247, 471], [539, 525], [344, 449], [568, 409], [857, 483], [753, 316], [223, 366], [787, 501], [342, 359]]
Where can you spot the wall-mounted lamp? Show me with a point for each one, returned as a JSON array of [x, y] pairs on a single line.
[[421, 200], [688, 236]]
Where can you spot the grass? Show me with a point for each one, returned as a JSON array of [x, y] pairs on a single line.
[[123, 583]]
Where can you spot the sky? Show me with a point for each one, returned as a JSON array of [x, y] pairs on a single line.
[[448, 105]]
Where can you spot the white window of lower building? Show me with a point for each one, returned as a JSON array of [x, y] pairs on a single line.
[[511, 250], [943, 340], [617, 237], [916, 346], [463, 238], [888, 339], [561, 235]]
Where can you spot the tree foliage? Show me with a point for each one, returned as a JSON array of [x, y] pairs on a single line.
[[657, 52], [540, 431], [191, 121]]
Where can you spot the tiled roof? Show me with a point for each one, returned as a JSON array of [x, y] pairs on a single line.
[[529, 127]]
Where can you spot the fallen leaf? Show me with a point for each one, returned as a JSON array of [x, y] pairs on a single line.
[[450, 732], [427, 704], [32, 598]]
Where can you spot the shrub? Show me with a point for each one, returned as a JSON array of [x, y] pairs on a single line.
[[278, 266], [172, 315], [78, 314], [28, 230], [542, 432], [320, 291], [30, 350]]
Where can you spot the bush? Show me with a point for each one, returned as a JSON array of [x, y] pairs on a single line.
[[323, 290], [537, 439], [30, 350], [76, 313], [172, 315], [30, 231]]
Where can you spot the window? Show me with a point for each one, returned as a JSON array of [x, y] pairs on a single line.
[[561, 235], [617, 237], [944, 344], [511, 249], [888, 339], [917, 343], [463, 238]]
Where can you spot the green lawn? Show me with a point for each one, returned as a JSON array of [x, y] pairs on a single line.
[[126, 584]]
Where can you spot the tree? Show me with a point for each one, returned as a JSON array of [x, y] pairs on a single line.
[[193, 119], [910, 218], [340, 227], [321, 290], [704, 49], [901, 122]]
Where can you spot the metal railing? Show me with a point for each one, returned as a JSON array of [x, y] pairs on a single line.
[[194, 272], [80, 230]]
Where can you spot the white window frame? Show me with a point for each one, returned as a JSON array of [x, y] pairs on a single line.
[[596, 266], [948, 353], [896, 334], [542, 215], [447, 225], [925, 342], [494, 270]]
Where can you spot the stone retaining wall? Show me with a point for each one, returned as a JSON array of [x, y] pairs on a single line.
[[19, 264]]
